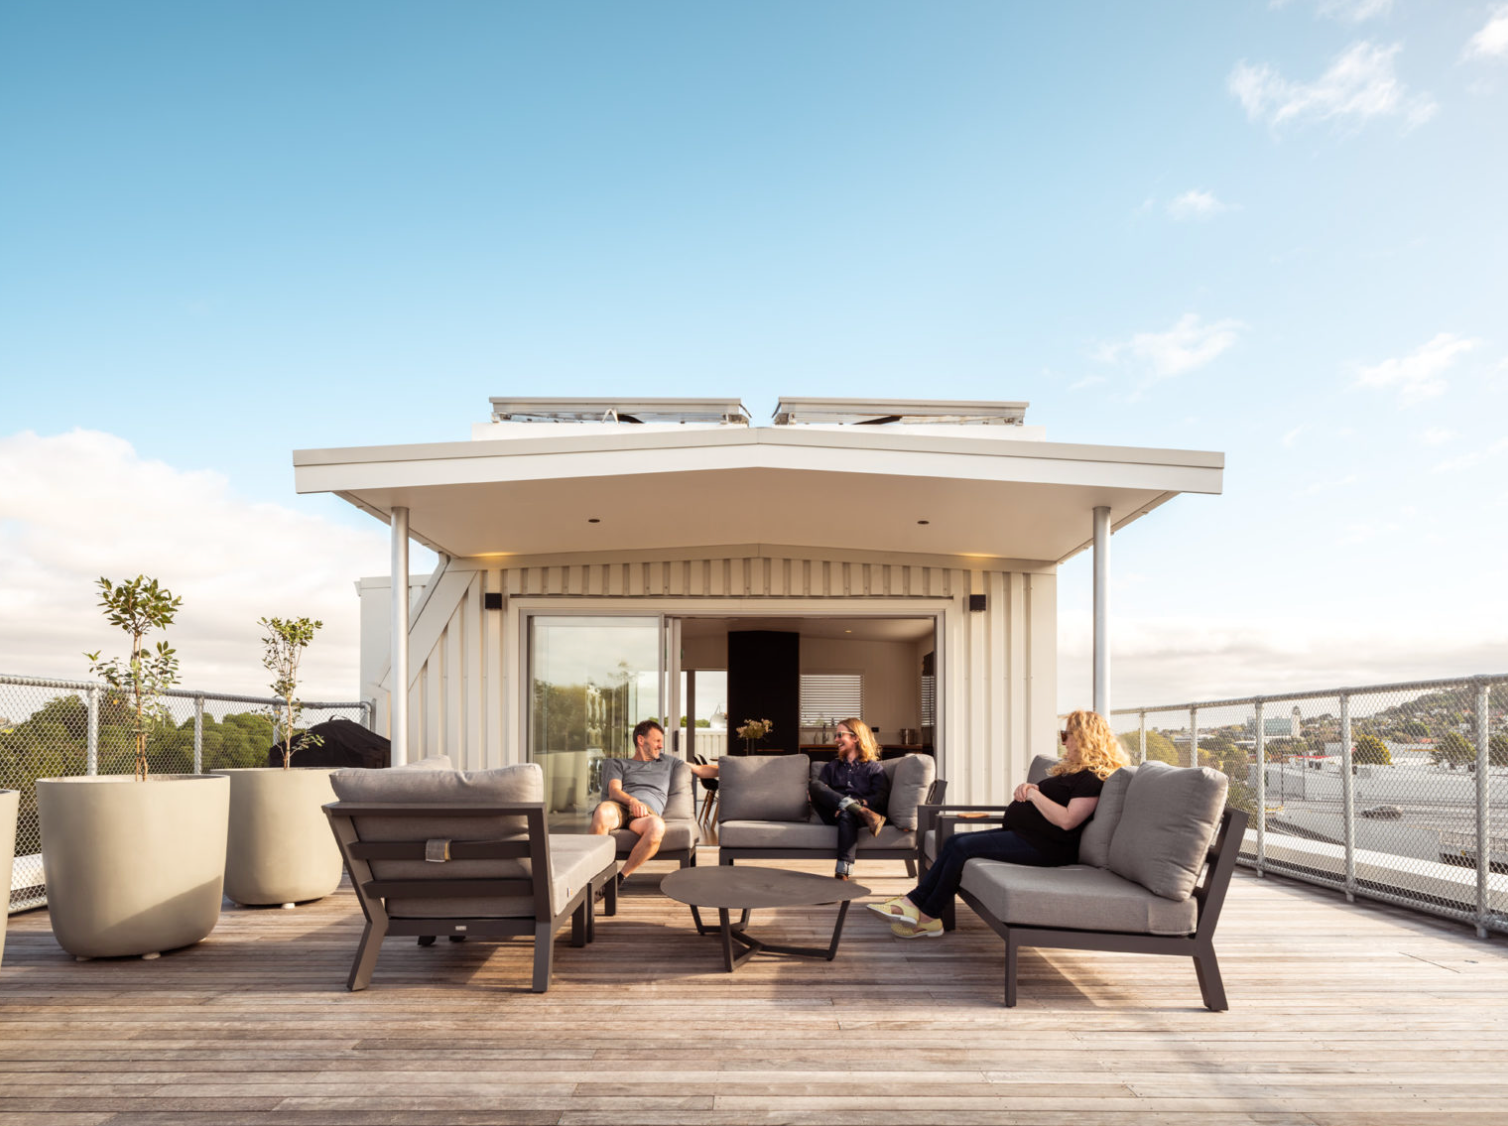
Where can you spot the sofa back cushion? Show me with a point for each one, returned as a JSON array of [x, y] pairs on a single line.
[[910, 779], [1039, 768], [680, 804], [763, 787], [1165, 828], [1094, 843]]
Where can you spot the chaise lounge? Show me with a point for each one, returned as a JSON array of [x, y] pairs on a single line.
[[434, 851], [1155, 862]]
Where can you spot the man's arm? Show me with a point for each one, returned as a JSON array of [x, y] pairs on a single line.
[[708, 771], [616, 792]]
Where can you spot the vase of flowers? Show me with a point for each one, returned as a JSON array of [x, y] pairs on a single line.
[[752, 731]]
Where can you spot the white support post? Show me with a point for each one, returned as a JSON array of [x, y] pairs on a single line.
[[398, 697], [1102, 610], [1261, 792], [1348, 796], [1484, 834], [91, 761], [198, 734], [1193, 736], [1141, 738]]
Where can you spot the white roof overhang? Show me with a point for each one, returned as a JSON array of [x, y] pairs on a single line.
[[860, 491]]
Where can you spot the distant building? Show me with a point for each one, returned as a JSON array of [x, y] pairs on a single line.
[[1277, 727]]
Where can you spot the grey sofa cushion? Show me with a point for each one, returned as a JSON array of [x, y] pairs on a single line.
[[1076, 897], [574, 859], [763, 788], [1039, 767], [678, 835], [1094, 843], [1165, 829], [820, 838], [910, 779]]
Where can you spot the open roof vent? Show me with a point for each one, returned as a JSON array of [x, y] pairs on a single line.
[[726, 411], [875, 412]]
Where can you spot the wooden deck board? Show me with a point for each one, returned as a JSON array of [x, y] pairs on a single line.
[[1341, 1014]]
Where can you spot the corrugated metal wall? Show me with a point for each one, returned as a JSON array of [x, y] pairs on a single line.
[[998, 667]]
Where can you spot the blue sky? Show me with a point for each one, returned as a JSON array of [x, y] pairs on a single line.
[[234, 230]]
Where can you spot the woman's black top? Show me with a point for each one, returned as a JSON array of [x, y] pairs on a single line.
[[1060, 846], [866, 781]]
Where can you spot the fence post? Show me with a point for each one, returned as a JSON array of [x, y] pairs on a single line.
[[91, 760], [1261, 791], [199, 734], [1348, 796], [1141, 750], [1193, 736], [1484, 837], [367, 712]]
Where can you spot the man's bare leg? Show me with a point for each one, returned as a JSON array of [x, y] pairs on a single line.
[[651, 832], [607, 817]]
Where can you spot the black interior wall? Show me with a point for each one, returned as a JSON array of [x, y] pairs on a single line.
[[764, 682]]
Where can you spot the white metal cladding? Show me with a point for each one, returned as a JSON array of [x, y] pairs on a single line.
[[996, 668]]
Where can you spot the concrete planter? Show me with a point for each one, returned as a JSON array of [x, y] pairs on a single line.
[[10, 803], [281, 849], [133, 867]]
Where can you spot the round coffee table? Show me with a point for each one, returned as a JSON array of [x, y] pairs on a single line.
[[744, 889]]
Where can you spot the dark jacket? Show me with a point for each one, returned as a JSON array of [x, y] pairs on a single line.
[[866, 781]]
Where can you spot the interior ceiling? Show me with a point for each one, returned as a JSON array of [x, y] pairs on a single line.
[[842, 629], [868, 512]]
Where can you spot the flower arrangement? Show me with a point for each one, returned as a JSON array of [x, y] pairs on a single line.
[[752, 730]]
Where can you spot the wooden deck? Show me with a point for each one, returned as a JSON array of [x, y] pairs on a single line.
[[1340, 1014]]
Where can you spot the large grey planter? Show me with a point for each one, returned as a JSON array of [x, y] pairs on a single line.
[[133, 867], [281, 848], [10, 803]]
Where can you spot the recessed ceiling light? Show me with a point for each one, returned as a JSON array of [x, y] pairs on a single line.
[[593, 520], [848, 631], [924, 521]]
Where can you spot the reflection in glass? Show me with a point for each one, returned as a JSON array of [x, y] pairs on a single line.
[[590, 681]]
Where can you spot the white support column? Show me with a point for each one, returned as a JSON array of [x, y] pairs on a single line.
[[398, 723], [1102, 611]]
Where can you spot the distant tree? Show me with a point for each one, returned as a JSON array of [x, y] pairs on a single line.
[[1159, 747], [1454, 750], [1369, 750], [1497, 750], [1413, 729]]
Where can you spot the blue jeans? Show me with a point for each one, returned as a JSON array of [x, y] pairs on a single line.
[[935, 891]]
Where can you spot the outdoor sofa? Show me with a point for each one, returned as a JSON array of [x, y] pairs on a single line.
[[467, 854], [765, 813], [1155, 861]]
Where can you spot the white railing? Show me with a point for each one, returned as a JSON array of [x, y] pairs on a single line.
[[1396, 792]]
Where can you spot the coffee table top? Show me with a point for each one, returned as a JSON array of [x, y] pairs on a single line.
[[732, 887]]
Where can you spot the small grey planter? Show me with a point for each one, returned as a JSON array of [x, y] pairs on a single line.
[[10, 804], [281, 849], [133, 867]]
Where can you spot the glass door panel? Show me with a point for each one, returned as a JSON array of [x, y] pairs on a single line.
[[591, 679]]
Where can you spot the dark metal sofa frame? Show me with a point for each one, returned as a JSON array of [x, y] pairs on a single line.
[[909, 853], [1209, 894], [372, 893]]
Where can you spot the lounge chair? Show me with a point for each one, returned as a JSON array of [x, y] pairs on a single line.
[[435, 851]]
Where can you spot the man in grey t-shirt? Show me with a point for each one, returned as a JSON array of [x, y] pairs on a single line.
[[636, 790]]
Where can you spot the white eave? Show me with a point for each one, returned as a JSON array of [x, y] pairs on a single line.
[[859, 489]]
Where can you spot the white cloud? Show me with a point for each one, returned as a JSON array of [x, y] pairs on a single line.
[[1360, 85], [83, 504], [1196, 204], [1293, 435], [1188, 345], [1348, 11], [1437, 435], [1419, 375], [1329, 486], [1491, 42], [1087, 381], [1473, 459]]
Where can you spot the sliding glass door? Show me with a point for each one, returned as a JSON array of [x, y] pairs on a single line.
[[591, 679]]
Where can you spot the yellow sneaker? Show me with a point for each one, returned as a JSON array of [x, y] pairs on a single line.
[[909, 929], [898, 908]]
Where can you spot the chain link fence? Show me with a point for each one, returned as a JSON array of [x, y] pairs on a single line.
[[56, 728], [1396, 792]]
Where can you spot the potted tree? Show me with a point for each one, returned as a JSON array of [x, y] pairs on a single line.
[[134, 865], [280, 847]]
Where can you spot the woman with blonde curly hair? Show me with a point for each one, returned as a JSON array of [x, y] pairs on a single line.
[[1042, 826], [853, 790]]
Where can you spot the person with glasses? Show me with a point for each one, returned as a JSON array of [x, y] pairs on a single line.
[[1042, 827], [852, 791]]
